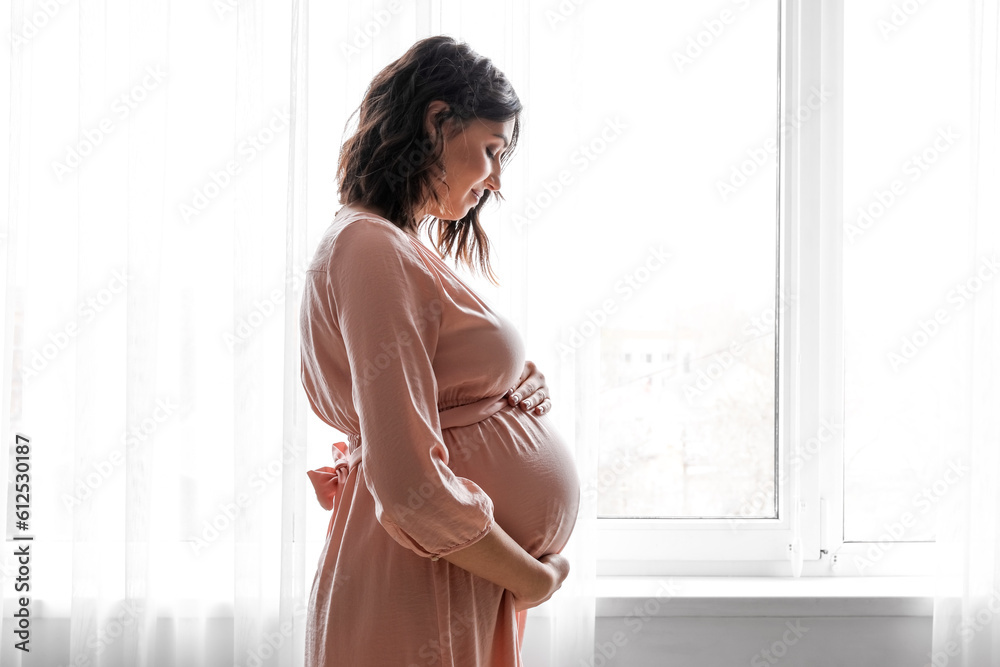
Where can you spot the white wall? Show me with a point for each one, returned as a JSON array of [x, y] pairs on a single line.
[[729, 641]]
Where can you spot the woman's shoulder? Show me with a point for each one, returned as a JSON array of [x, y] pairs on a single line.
[[360, 238], [365, 222], [373, 232]]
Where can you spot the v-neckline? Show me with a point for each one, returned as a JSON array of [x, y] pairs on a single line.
[[422, 247], [475, 295]]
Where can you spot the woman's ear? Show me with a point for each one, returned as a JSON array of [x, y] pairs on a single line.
[[434, 109]]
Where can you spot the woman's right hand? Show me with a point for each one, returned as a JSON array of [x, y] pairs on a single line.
[[555, 571]]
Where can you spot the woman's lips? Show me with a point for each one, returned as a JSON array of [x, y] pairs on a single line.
[[478, 193]]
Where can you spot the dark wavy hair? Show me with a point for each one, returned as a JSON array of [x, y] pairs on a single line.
[[387, 163]]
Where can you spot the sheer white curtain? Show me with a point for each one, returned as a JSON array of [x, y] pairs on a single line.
[[169, 169], [150, 286], [966, 628]]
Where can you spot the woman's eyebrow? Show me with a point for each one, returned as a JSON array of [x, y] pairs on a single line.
[[504, 137]]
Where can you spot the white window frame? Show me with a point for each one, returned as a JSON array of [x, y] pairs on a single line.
[[810, 345]]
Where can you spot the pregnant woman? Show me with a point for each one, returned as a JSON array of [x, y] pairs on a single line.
[[454, 494]]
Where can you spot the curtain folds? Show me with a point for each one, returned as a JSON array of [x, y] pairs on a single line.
[[966, 624], [165, 189]]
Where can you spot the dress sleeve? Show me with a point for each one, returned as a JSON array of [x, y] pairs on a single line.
[[389, 312]]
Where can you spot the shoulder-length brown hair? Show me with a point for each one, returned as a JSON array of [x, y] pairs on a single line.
[[386, 164]]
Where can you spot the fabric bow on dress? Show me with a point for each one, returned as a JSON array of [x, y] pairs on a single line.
[[328, 481]]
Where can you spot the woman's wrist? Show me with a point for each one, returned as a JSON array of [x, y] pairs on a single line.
[[538, 583], [498, 558]]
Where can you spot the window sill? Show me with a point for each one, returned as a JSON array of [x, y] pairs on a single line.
[[766, 596]]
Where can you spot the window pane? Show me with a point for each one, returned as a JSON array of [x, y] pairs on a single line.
[[678, 212], [908, 274]]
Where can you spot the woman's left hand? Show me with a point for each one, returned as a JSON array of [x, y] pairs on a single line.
[[531, 392]]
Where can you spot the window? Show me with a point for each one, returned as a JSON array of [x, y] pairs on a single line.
[[798, 254], [691, 446]]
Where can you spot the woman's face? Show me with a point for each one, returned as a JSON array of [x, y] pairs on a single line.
[[472, 165]]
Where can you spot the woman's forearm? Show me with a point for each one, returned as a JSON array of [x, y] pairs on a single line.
[[498, 558]]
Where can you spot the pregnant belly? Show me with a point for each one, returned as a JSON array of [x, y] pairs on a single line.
[[526, 468]]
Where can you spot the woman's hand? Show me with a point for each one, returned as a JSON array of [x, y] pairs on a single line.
[[531, 392], [556, 569]]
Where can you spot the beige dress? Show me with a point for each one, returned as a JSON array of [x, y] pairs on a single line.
[[414, 368]]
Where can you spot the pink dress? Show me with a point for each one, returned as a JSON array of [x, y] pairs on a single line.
[[407, 361]]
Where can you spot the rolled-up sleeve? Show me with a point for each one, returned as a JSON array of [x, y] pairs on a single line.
[[389, 311]]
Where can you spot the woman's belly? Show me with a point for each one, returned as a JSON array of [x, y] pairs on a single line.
[[526, 468]]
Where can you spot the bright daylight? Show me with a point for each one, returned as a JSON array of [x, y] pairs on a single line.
[[539, 333]]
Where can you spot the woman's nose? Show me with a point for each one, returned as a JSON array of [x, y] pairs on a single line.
[[493, 182]]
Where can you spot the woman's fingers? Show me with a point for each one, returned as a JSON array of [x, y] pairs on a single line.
[[531, 393]]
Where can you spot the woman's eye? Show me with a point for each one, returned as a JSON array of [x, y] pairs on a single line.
[[489, 153]]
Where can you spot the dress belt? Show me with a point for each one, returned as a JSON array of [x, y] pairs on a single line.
[[327, 481]]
